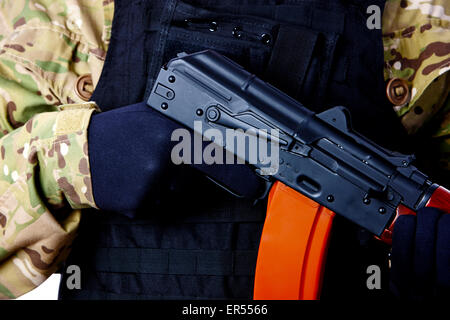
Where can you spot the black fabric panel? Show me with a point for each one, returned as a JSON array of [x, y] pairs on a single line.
[[208, 236], [124, 75], [183, 262], [285, 70], [161, 287]]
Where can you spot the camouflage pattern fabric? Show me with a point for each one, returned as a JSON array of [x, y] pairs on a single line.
[[416, 38], [45, 46], [36, 227]]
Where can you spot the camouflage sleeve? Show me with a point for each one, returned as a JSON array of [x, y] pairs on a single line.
[[45, 47], [44, 168], [416, 39]]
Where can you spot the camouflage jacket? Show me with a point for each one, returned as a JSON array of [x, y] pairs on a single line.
[[47, 47], [416, 39]]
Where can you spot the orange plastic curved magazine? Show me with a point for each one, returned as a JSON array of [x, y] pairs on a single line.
[[294, 243], [293, 247]]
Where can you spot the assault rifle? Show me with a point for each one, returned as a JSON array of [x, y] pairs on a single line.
[[324, 167]]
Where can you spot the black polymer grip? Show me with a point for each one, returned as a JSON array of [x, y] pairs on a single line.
[[320, 155]]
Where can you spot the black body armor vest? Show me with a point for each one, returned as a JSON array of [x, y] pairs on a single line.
[[202, 244]]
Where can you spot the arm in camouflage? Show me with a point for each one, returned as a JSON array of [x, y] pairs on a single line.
[[416, 38], [44, 166]]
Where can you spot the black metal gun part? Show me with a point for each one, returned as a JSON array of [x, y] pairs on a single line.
[[320, 155]]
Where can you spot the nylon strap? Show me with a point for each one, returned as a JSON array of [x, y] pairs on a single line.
[[178, 262], [290, 58]]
